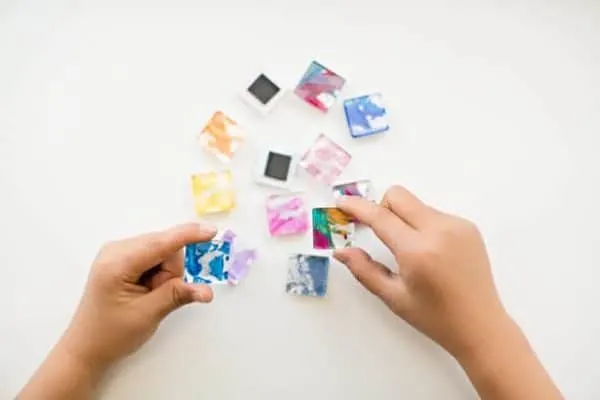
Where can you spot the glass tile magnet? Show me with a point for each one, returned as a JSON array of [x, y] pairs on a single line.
[[319, 86], [332, 228], [325, 160], [362, 188], [221, 136], [366, 115], [240, 265], [263, 92], [276, 168], [286, 214], [208, 262], [307, 275], [217, 261], [213, 192]]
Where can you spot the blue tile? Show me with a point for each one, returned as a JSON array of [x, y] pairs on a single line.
[[366, 115], [307, 275], [207, 262]]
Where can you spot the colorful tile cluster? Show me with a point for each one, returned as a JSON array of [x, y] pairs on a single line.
[[221, 136], [362, 188], [307, 275], [325, 160], [366, 115], [213, 192], [320, 86], [332, 228], [286, 215], [217, 261]]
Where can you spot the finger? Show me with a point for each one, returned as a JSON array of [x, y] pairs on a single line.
[[174, 264], [407, 206], [392, 230], [146, 251], [373, 275], [172, 267], [174, 294], [159, 278]]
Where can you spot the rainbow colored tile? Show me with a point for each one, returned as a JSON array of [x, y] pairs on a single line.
[[332, 229], [319, 86]]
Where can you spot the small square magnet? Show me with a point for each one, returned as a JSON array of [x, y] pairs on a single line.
[[362, 188], [213, 192], [208, 262], [221, 136], [319, 86], [307, 275], [332, 228], [286, 214], [325, 160], [276, 168], [366, 115], [262, 92]]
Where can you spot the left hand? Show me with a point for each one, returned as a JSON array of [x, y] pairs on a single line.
[[133, 285]]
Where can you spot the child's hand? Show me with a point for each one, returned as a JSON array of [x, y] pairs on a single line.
[[444, 285], [127, 297]]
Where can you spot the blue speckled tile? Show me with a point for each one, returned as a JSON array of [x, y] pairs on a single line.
[[366, 115], [307, 275]]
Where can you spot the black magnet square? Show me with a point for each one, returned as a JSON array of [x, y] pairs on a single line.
[[278, 166], [263, 89]]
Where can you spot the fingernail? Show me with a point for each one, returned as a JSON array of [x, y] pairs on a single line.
[[202, 294]]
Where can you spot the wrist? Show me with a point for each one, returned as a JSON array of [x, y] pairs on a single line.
[[492, 344], [485, 332], [71, 349]]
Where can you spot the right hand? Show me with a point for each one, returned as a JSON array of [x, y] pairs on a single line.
[[444, 285]]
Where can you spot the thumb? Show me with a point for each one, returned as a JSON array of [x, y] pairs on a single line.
[[174, 294], [373, 275]]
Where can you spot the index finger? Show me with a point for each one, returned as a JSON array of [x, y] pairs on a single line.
[[388, 227], [145, 251]]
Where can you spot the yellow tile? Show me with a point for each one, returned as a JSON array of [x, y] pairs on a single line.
[[213, 192]]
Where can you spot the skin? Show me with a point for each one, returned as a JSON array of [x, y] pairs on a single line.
[[121, 308], [443, 287]]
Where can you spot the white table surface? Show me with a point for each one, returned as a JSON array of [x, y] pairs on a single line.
[[495, 113]]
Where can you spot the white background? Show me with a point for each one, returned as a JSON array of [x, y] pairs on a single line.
[[495, 113]]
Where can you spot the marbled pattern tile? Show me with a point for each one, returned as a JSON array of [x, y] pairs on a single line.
[[362, 188], [286, 214], [241, 261], [213, 192], [319, 86], [325, 160], [307, 275], [332, 229], [207, 262], [366, 115], [221, 136]]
